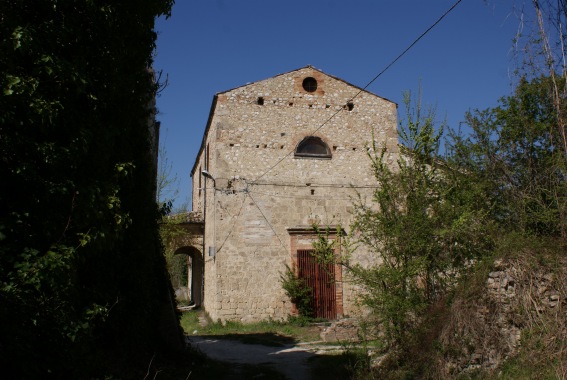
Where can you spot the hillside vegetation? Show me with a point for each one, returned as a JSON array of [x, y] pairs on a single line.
[[471, 226], [472, 243]]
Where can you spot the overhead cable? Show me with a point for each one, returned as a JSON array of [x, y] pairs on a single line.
[[369, 83]]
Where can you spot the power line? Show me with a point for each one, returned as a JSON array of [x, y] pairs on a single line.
[[248, 193], [410, 46], [233, 222], [313, 184], [369, 83], [267, 221], [308, 197]]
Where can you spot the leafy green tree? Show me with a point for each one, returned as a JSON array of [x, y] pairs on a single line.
[[515, 152], [541, 52], [82, 276], [423, 224]]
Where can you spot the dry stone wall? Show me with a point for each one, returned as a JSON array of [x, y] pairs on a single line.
[[484, 332]]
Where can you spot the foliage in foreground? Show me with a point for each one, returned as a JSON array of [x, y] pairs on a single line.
[[298, 292], [82, 277], [425, 225], [453, 330], [438, 222]]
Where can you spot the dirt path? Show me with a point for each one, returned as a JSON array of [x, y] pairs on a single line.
[[291, 360]]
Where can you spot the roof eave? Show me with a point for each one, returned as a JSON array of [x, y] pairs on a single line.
[[203, 142]]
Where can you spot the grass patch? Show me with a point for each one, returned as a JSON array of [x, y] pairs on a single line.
[[326, 366], [271, 333], [339, 366]]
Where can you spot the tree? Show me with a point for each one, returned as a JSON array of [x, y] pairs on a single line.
[[513, 150], [542, 50], [543, 54], [422, 224], [82, 276]]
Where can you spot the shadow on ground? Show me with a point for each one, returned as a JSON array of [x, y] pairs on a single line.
[[238, 356], [291, 361], [266, 339]]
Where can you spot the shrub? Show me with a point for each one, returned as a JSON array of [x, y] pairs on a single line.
[[298, 291]]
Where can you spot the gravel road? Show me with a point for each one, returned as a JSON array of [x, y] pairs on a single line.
[[291, 360]]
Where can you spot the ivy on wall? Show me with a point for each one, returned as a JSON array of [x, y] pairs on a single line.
[[81, 268]]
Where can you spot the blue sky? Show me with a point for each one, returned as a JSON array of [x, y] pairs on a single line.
[[209, 46]]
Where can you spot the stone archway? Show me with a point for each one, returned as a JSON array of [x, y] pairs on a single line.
[[191, 272], [183, 239]]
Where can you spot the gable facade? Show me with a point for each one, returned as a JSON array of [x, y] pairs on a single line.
[[277, 156]]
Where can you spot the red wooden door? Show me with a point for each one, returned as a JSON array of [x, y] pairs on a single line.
[[321, 279]]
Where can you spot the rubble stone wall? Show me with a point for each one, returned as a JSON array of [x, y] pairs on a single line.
[[488, 330], [261, 189]]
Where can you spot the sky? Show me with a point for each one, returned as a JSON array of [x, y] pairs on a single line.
[[465, 62]]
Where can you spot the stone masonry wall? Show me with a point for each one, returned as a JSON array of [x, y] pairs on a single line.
[[482, 333], [262, 190]]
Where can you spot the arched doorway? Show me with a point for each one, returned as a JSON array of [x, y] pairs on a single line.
[[186, 274]]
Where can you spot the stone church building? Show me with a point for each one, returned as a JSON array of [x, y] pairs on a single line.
[[277, 156]]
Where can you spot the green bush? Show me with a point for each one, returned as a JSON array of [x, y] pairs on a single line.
[[297, 290]]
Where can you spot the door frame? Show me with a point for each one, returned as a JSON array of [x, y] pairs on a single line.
[[302, 238]]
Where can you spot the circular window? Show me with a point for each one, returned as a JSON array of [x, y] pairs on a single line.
[[310, 84]]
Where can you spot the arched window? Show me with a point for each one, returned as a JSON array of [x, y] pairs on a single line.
[[314, 147]]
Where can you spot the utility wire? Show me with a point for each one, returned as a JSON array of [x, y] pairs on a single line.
[[410, 46], [248, 193], [369, 83], [233, 222], [313, 184], [267, 221], [308, 197]]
